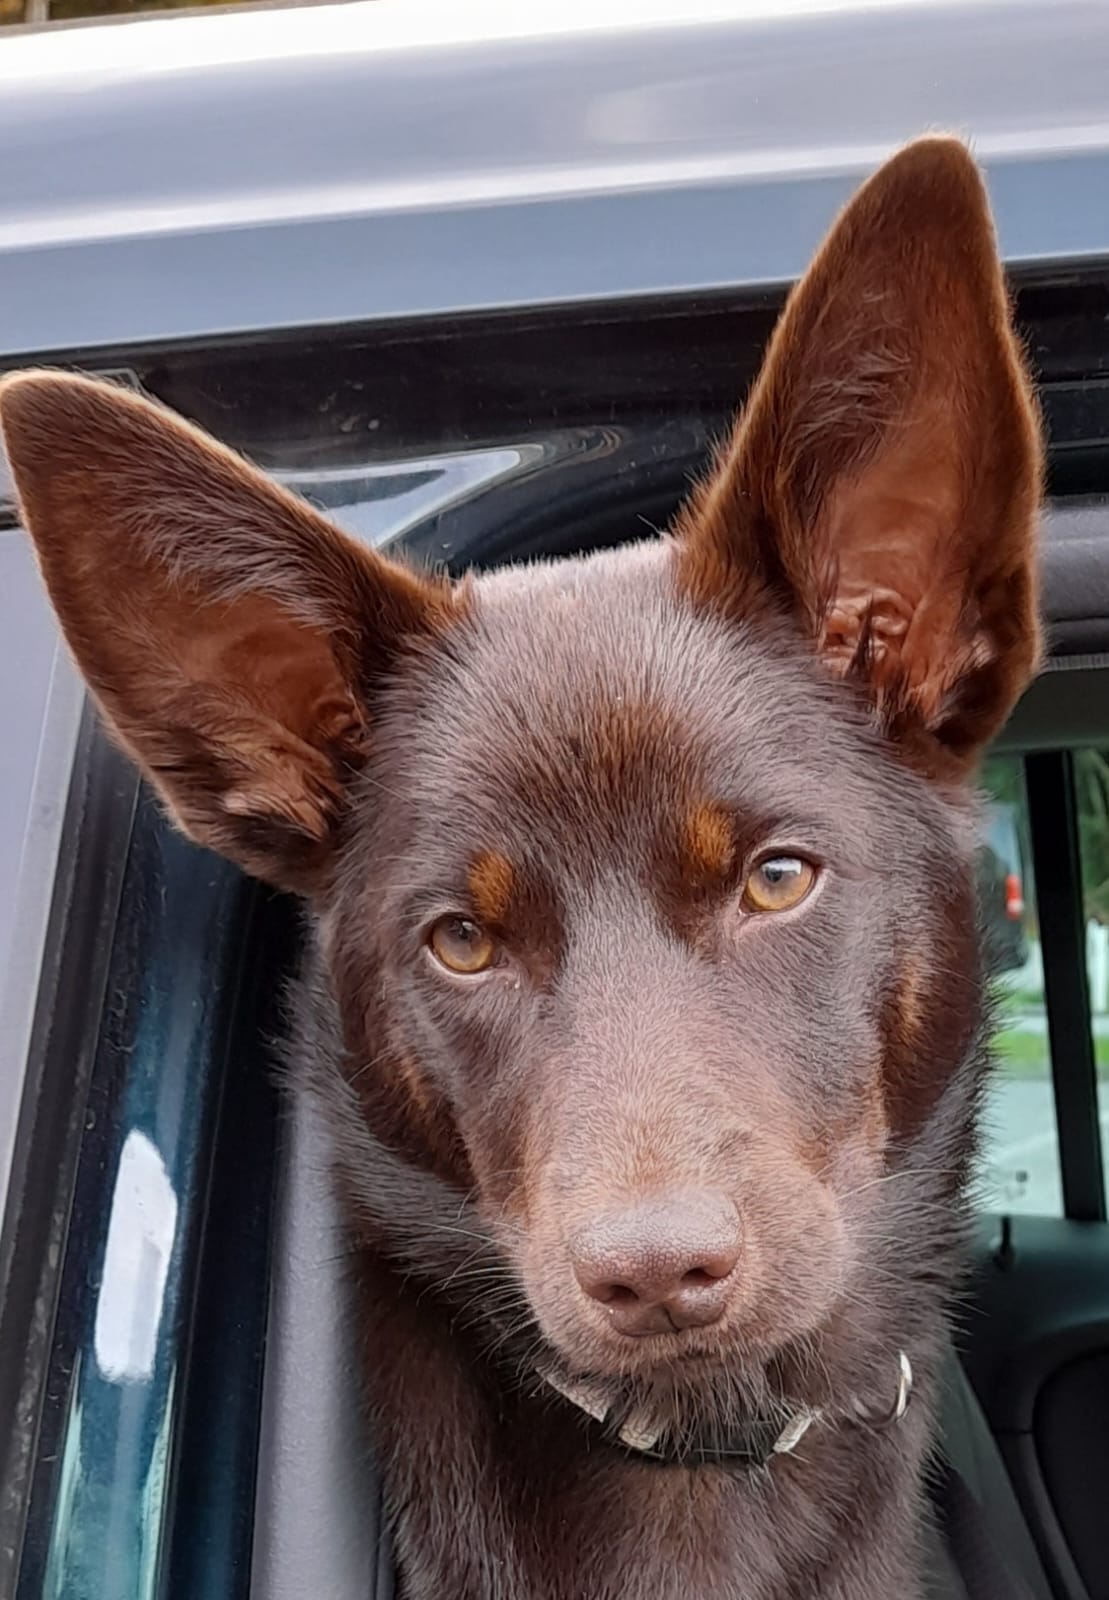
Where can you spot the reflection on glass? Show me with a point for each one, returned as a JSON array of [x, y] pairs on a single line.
[[105, 1540], [106, 1533], [141, 1231], [379, 502]]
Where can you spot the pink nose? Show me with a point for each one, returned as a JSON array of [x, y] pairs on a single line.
[[663, 1264]]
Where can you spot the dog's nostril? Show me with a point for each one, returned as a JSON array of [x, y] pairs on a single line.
[[701, 1277], [614, 1294]]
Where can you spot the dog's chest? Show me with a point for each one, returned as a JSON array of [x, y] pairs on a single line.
[[642, 1535]]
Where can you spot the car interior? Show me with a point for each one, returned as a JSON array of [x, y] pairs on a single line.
[[470, 443]]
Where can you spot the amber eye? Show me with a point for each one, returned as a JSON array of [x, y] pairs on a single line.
[[461, 945], [778, 884]]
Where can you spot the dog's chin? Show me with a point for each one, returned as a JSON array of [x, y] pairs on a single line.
[[683, 1364], [698, 1394], [748, 1364], [674, 1359]]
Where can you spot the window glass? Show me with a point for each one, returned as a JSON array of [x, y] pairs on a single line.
[[1020, 1165], [1091, 784]]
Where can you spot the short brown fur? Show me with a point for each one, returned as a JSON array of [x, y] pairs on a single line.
[[714, 1162]]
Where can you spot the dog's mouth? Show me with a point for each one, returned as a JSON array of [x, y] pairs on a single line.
[[685, 1399], [689, 1384], [678, 1394]]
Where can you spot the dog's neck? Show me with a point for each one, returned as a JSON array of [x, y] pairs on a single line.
[[753, 1446]]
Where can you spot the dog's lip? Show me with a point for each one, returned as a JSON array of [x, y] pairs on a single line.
[[670, 1345], [663, 1358]]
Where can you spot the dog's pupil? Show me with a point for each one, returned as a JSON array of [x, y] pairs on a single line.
[[776, 872]]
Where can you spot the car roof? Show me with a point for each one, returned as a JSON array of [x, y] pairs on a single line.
[[215, 173]]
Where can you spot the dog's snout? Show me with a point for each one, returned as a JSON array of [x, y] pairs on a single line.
[[662, 1264]]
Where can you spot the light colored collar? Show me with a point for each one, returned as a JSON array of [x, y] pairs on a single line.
[[756, 1446]]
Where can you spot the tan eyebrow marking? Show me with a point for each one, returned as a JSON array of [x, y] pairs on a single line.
[[492, 884], [708, 841]]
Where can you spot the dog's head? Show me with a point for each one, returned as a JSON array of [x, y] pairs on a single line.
[[644, 882]]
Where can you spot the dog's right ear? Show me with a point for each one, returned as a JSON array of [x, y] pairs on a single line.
[[232, 637]]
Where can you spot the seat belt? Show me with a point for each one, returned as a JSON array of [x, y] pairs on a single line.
[[985, 1571]]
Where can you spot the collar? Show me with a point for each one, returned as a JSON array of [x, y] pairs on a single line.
[[755, 1446]]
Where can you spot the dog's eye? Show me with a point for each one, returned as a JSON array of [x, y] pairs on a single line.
[[778, 884], [461, 945]]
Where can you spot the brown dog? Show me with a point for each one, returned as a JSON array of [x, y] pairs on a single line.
[[644, 1000]]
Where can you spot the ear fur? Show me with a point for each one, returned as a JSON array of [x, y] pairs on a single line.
[[883, 482], [232, 637]]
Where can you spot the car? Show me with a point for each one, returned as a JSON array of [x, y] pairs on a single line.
[[482, 281], [1001, 890]]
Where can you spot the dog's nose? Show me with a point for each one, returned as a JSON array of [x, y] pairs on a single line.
[[662, 1264]]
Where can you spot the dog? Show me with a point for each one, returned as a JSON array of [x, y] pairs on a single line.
[[643, 998]]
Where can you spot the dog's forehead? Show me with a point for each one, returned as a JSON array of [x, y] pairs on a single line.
[[595, 660], [592, 688], [577, 638]]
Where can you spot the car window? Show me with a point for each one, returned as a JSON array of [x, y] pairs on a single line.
[[1022, 1169], [1092, 791]]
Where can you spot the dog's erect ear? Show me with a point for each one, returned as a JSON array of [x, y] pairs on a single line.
[[231, 636], [883, 480]]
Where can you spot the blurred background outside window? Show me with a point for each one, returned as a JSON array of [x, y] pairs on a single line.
[[39, 11], [1021, 1165]]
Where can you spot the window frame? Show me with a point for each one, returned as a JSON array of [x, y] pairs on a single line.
[[1057, 870]]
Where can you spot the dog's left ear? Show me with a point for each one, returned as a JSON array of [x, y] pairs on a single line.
[[882, 484]]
